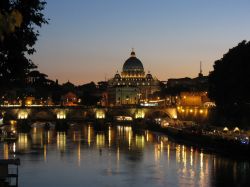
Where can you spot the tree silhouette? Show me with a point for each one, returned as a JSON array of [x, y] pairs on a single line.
[[230, 84], [18, 30]]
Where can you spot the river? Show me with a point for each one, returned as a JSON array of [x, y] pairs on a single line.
[[117, 156]]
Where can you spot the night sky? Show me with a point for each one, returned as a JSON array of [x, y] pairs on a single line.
[[88, 40]]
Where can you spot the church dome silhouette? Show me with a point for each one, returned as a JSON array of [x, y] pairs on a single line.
[[133, 64]]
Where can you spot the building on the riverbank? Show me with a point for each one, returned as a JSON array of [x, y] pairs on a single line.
[[199, 83], [70, 99], [123, 95], [187, 91], [132, 85], [194, 106], [193, 99]]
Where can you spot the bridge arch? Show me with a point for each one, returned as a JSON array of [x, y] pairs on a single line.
[[114, 112], [51, 113], [163, 113], [157, 114], [42, 114]]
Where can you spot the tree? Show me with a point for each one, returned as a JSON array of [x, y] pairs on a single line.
[[9, 22], [20, 20], [230, 84], [90, 94]]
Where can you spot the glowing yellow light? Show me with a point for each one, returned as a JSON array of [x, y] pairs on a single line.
[[124, 118], [109, 136], [13, 122], [129, 139], [168, 151], [201, 111], [178, 153], [100, 114], [201, 160], [22, 141], [61, 115], [147, 136], [79, 154], [45, 153], [48, 137], [6, 151], [14, 147], [100, 140], [191, 110], [184, 156], [89, 136], [23, 115], [61, 141], [162, 145], [236, 129], [191, 156], [225, 129], [140, 114], [139, 141], [128, 118]]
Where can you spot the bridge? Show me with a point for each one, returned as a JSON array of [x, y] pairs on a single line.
[[82, 112]]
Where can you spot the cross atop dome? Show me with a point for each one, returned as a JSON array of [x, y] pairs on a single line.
[[132, 53]]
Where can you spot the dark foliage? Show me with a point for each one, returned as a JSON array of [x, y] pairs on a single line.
[[230, 85], [90, 94], [15, 46]]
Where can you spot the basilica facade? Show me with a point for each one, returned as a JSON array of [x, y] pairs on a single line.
[[132, 85]]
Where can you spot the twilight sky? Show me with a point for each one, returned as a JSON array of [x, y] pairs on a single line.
[[88, 40]]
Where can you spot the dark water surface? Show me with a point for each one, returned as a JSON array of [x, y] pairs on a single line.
[[117, 156]]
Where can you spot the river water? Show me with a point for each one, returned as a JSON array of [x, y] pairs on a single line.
[[117, 156]]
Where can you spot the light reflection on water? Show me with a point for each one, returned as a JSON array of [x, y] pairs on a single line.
[[117, 156]]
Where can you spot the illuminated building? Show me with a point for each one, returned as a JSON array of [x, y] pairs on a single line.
[[29, 101], [132, 86], [123, 95], [69, 99], [193, 98]]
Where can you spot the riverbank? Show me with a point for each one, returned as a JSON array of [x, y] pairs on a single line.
[[224, 144]]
